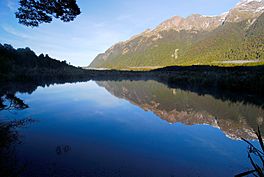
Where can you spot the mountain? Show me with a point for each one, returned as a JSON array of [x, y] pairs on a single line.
[[232, 37], [235, 119]]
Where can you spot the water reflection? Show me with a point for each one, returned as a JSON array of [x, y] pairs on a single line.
[[11, 102], [63, 149], [83, 130], [9, 139], [236, 119]]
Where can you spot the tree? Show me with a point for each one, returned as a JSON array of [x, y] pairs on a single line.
[[34, 12]]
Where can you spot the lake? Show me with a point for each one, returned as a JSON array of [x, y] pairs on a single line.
[[125, 128]]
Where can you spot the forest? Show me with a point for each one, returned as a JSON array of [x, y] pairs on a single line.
[[24, 64]]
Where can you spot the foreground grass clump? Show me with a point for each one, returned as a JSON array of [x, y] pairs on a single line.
[[256, 157]]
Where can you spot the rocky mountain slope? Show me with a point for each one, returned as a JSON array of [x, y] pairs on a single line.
[[233, 37]]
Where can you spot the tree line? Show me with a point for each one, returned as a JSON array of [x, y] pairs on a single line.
[[23, 63]]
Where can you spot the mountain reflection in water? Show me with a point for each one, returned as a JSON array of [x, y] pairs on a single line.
[[235, 119], [81, 129]]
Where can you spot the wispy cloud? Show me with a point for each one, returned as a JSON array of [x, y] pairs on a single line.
[[10, 30], [101, 24], [12, 5]]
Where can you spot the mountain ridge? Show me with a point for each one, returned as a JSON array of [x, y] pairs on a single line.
[[173, 40]]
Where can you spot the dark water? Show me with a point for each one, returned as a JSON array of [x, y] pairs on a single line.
[[128, 129]]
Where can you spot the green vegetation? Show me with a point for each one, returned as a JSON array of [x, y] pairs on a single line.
[[231, 44], [24, 66]]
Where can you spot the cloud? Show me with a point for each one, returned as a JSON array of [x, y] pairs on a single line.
[[78, 42], [12, 5], [13, 31], [124, 17], [101, 24]]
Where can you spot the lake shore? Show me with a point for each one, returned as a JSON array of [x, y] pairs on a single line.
[[237, 83]]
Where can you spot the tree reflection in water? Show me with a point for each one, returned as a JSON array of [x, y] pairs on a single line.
[[169, 104], [9, 136], [11, 102], [10, 166]]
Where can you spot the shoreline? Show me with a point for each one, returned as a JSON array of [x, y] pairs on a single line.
[[235, 83]]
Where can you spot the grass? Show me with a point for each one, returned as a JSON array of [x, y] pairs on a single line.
[[256, 157]]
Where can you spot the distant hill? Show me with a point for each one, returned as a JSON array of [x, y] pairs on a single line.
[[24, 64], [234, 37]]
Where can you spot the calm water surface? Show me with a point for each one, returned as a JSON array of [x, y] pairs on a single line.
[[130, 129]]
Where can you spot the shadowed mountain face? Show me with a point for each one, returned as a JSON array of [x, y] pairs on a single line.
[[235, 119]]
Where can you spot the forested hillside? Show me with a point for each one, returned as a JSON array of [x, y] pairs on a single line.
[[23, 64], [233, 38]]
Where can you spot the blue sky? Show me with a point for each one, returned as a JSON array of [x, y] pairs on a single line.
[[101, 24]]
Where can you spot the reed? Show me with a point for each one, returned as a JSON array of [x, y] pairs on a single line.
[[256, 157]]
